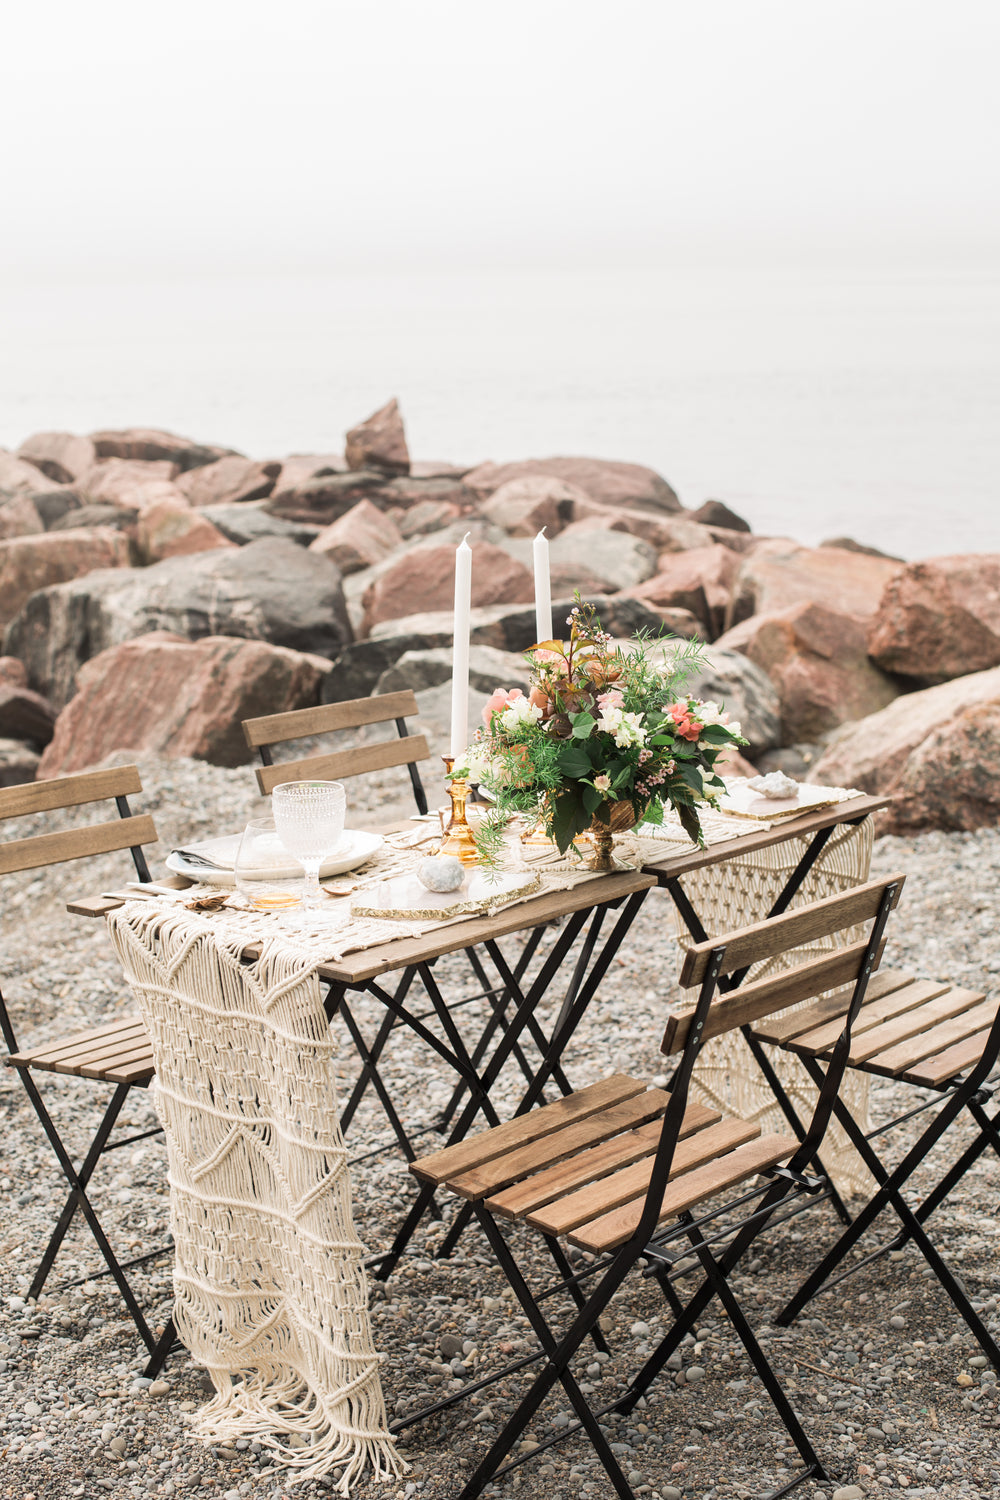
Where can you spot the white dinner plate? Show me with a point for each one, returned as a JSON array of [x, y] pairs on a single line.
[[355, 847]]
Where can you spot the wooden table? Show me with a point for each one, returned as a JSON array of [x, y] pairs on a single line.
[[512, 1029]]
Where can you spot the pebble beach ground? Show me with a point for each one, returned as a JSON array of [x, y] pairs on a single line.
[[894, 1392]]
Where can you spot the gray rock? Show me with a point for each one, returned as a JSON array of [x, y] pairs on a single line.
[[117, 516], [269, 590], [325, 497], [606, 561], [488, 669], [18, 763], [361, 664], [248, 521], [54, 505]]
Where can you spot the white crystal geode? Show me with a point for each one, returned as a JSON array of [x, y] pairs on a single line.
[[775, 785], [441, 872]]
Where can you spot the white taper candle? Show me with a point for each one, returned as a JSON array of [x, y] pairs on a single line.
[[460, 648], [543, 592]]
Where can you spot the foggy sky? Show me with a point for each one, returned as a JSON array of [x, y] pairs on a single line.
[[321, 133]]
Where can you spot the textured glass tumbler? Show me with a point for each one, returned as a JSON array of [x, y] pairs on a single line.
[[309, 818]]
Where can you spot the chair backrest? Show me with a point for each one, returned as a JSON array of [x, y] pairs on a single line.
[[739, 950], [126, 831], [330, 718], [733, 953]]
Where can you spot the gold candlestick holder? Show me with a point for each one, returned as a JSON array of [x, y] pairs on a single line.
[[458, 838]]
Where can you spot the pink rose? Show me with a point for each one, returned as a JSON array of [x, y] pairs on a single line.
[[611, 699], [498, 700]]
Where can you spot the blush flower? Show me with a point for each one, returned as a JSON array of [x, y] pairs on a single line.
[[602, 782], [498, 700]]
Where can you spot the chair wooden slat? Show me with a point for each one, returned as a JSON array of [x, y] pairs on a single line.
[[612, 1229], [80, 1046], [362, 759], [571, 1140], [794, 929], [632, 1182], [941, 1067], [129, 1062], [910, 997], [76, 843], [780, 1029], [328, 718], [751, 1002], [929, 1041], [474, 1151], [542, 1187], [912, 1024], [68, 791]]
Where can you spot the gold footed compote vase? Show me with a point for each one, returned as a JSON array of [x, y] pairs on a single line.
[[620, 817]]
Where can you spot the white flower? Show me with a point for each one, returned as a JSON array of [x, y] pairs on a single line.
[[627, 729], [522, 711], [710, 713], [473, 765]]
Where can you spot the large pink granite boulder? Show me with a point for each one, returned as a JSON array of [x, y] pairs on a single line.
[[119, 481], [424, 579], [667, 533], [521, 507], [778, 573], [19, 477], [228, 481], [936, 752], [699, 580], [379, 442], [817, 660], [29, 563], [606, 481], [363, 536], [171, 528], [940, 618], [168, 696], [63, 456], [19, 516]]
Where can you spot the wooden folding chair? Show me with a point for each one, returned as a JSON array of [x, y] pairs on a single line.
[[334, 718], [263, 735], [119, 1053], [940, 1038], [626, 1173]]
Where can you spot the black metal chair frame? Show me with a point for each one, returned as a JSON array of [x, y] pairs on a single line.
[[784, 899], [513, 1003], [647, 1242], [79, 1177], [971, 1092]]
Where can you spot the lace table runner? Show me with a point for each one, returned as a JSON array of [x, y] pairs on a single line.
[[270, 1290]]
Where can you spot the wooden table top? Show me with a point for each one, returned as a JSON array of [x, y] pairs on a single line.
[[368, 963]]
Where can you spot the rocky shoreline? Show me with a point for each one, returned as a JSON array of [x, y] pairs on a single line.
[[155, 590]]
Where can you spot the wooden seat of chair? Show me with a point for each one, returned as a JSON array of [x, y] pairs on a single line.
[[580, 1167], [120, 1052], [922, 1031]]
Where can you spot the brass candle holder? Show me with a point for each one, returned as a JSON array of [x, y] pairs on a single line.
[[458, 839]]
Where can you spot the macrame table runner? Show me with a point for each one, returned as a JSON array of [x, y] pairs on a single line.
[[270, 1290], [727, 1077]]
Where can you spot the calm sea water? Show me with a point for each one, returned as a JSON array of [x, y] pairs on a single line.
[[815, 404]]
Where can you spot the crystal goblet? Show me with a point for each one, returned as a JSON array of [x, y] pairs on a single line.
[[309, 818]]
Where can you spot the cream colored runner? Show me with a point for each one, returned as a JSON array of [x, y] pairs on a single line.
[[270, 1291]]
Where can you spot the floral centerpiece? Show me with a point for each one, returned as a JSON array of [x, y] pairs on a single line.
[[605, 739]]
